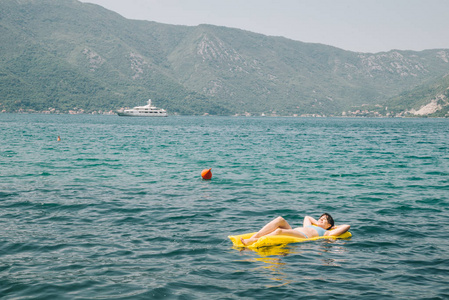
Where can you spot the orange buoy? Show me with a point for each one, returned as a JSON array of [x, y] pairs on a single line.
[[59, 139], [206, 174]]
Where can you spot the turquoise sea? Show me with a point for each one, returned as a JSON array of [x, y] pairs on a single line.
[[118, 210]]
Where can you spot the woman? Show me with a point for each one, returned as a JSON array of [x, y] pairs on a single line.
[[280, 227]]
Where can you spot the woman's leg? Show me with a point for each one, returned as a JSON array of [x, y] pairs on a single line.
[[289, 232], [277, 223]]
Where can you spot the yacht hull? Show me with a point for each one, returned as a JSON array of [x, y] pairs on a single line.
[[123, 114]]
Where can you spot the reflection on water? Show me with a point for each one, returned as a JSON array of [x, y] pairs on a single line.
[[281, 250], [271, 268], [275, 267]]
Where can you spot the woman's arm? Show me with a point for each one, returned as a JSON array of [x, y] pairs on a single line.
[[308, 221], [338, 230]]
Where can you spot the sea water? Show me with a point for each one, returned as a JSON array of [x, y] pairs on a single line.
[[117, 209]]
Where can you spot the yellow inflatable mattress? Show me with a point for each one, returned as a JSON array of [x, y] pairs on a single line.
[[274, 240]]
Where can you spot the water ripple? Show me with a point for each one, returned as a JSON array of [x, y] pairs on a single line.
[[118, 210]]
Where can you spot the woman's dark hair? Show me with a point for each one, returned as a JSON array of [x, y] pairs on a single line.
[[329, 219]]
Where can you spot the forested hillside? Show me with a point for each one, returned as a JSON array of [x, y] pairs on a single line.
[[429, 99], [61, 55]]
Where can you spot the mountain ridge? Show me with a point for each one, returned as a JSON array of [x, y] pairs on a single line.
[[64, 54]]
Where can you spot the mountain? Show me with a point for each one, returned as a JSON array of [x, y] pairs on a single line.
[[430, 99], [63, 55]]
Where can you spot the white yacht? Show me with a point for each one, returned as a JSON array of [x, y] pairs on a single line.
[[143, 111]]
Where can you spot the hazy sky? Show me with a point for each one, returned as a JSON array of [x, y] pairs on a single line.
[[356, 25]]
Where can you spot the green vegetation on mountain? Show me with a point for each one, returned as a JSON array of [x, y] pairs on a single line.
[[63, 55], [430, 99]]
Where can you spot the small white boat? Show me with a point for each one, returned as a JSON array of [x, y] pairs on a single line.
[[143, 111]]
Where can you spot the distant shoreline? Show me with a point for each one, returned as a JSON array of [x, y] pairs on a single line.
[[241, 116]]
